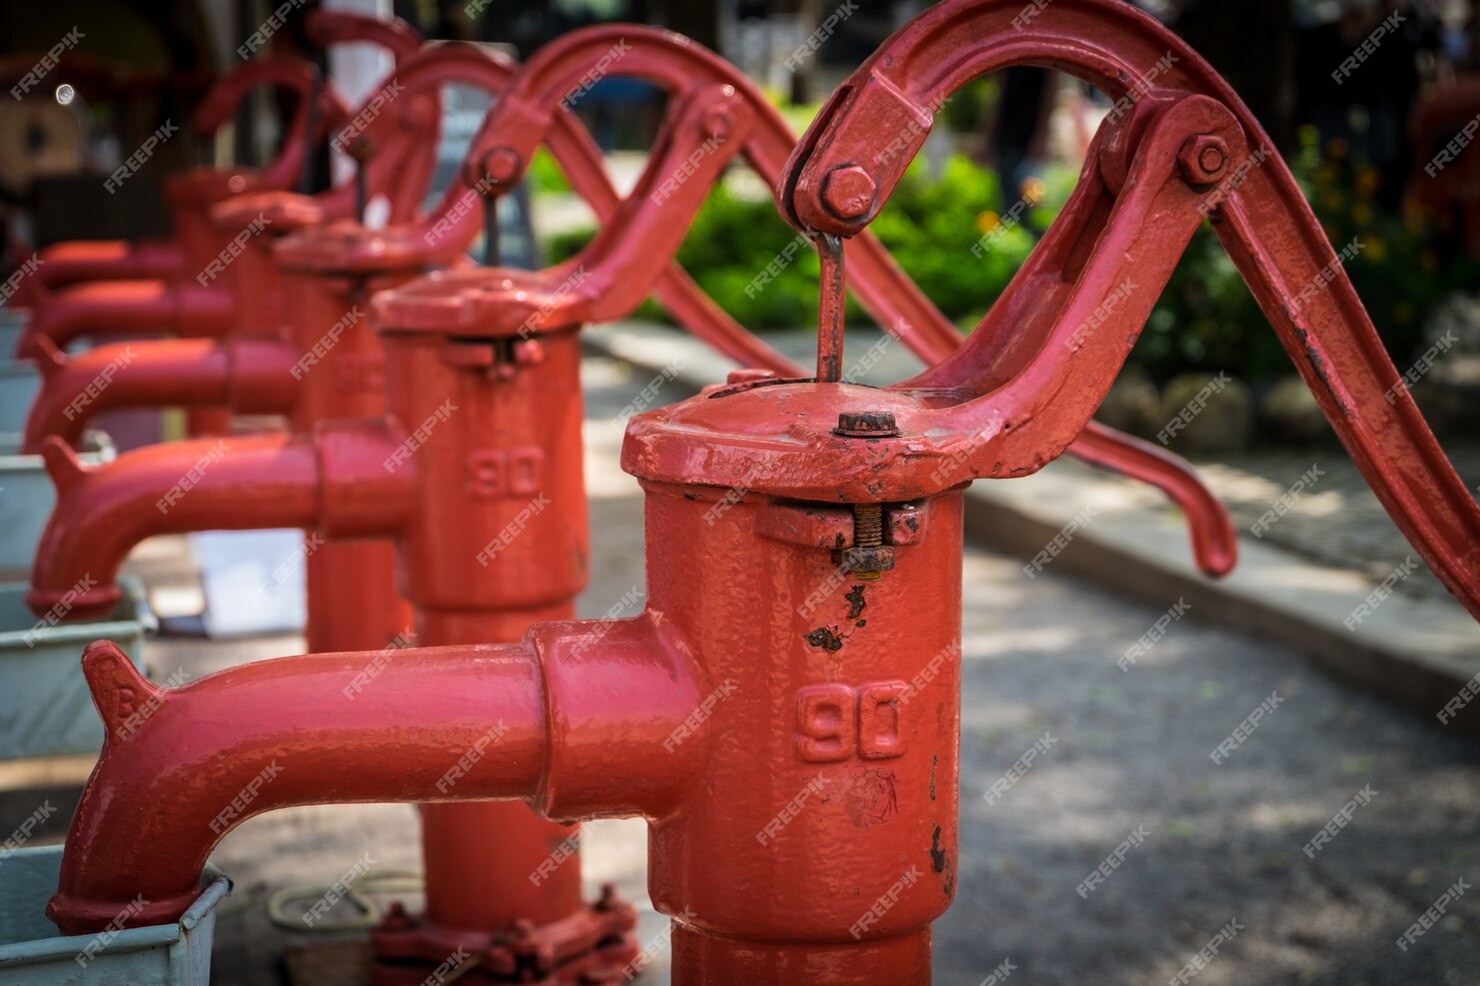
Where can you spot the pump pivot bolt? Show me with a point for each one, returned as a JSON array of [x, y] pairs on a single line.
[[866, 424], [848, 191], [500, 165], [1203, 159]]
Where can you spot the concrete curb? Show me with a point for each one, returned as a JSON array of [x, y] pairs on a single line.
[[1419, 652]]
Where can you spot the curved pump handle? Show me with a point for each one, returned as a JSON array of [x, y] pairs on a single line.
[[1178, 147], [284, 72], [560, 73]]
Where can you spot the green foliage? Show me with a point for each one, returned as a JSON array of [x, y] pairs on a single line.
[[1208, 320]]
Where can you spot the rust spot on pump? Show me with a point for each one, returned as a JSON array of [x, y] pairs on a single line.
[[825, 638]]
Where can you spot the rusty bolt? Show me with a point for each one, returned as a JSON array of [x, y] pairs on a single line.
[[866, 424], [848, 191], [1203, 159]]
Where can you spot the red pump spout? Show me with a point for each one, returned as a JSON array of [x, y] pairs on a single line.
[[182, 767], [126, 307], [250, 376], [102, 512]]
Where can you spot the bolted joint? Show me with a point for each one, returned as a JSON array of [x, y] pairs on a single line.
[[869, 557], [1203, 159], [499, 166], [848, 191]]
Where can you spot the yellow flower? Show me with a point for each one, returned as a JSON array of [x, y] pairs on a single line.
[[1376, 249], [1033, 191], [987, 221]]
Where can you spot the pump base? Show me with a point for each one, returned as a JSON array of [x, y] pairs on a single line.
[[591, 947]]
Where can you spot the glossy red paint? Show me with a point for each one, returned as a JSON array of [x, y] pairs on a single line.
[[517, 125]]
